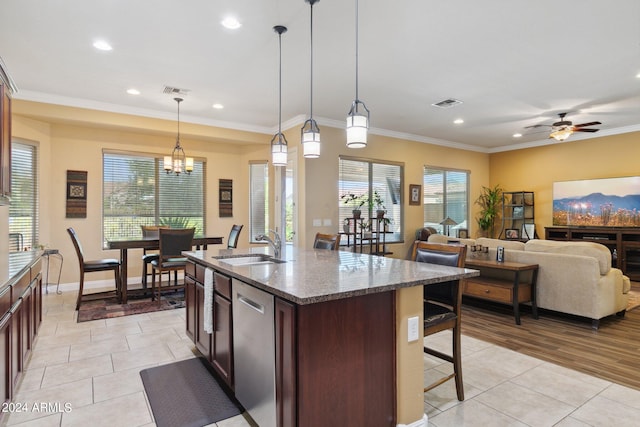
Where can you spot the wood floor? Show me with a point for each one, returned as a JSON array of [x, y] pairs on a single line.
[[611, 353]]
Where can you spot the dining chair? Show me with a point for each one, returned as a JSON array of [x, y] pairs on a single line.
[[172, 242], [441, 305], [234, 234], [326, 241], [93, 266], [148, 255]]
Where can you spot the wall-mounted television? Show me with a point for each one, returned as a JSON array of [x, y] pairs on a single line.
[[607, 202]]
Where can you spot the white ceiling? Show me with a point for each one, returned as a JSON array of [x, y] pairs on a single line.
[[513, 63]]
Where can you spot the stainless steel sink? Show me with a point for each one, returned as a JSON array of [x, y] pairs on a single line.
[[251, 260]]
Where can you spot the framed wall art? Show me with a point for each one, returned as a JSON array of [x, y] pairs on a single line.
[[414, 194], [76, 194], [225, 200]]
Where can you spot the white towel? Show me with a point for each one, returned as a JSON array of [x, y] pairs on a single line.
[[208, 301]]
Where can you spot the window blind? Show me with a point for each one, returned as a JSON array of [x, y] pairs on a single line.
[[259, 199], [23, 211], [137, 191], [363, 177], [445, 193]]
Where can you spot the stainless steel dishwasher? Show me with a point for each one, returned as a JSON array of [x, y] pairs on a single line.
[[254, 352]]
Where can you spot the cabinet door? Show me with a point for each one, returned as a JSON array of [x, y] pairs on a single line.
[[5, 358], [16, 347], [222, 355], [5, 141], [190, 303], [203, 339], [285, 363], [26, 329]]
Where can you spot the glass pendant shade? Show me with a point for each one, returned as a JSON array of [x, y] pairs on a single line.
[[279, 150], [310, 136], [357, 126]]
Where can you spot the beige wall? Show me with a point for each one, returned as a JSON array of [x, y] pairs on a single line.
[[321, 178], [78, 145], [536, 169]]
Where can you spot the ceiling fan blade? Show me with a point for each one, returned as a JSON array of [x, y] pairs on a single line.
[[587, 124], [586, 130], [536, 126]]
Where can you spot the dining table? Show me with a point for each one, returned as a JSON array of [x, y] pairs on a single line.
[[148, 244]]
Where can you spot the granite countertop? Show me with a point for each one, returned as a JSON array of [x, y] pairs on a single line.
[[311, 276], [13, 265]]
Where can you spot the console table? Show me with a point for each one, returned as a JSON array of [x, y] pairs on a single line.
[[501, 282]]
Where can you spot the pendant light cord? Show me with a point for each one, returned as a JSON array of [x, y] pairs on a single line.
[[280, 84], [311, 50], [357, 100]]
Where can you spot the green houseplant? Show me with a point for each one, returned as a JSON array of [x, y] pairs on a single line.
[[489, 202], [376, 202], [355, 201]]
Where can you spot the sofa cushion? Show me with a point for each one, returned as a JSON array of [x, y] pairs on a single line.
[[441, 238], [592, 249], [512, 245]]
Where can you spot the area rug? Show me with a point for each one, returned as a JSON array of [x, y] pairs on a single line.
[[634, 300], [186, 394], [110, 307]]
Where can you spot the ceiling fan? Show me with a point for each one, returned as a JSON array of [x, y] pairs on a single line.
[[562, 129]]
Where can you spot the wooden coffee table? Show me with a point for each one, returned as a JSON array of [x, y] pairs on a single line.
[[500, 282]]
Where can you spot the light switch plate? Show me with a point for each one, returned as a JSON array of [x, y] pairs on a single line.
[[326, 222], [413, 334], [317, 222]]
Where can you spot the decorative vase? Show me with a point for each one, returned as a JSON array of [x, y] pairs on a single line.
[[380, 213]]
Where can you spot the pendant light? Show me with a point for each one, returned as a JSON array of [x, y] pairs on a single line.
[[358, 117], [310, 134], [177, 162], [279, 142]]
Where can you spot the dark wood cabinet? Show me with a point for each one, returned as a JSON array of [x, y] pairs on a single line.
[[20, 318], [623, 243], [190, 305], [286, 367], [203, 339], [217, 347], [222, 348], [5, 143]]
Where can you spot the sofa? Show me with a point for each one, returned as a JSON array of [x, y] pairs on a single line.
[[573, 277]]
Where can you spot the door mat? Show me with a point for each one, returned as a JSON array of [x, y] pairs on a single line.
[[186, 394], [110, 307], [634, 300]]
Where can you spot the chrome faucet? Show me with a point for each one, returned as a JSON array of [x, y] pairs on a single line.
[[275, 243]]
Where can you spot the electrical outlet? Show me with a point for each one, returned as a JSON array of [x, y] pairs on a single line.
[[413, 329]]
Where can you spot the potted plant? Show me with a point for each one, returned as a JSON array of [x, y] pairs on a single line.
[[356, 201], [489, 201], [377, 202]]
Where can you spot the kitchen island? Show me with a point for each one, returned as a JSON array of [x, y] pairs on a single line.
[[339, 327]]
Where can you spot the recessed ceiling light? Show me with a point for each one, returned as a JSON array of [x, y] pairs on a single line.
[[133, 91], [231, 23], [102, 45], [218, 106], [458, 121], [517, 135], [638, 75]]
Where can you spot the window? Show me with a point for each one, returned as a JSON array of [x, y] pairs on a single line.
[[259, 199], [446, 194], [23, 211], [137, 191], [365, 178]]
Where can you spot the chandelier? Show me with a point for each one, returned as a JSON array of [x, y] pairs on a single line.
[[177, 162]]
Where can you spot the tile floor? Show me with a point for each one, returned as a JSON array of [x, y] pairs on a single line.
[[93, 367]]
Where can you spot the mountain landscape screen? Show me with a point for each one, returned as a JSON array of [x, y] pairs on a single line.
[[608, 202]]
